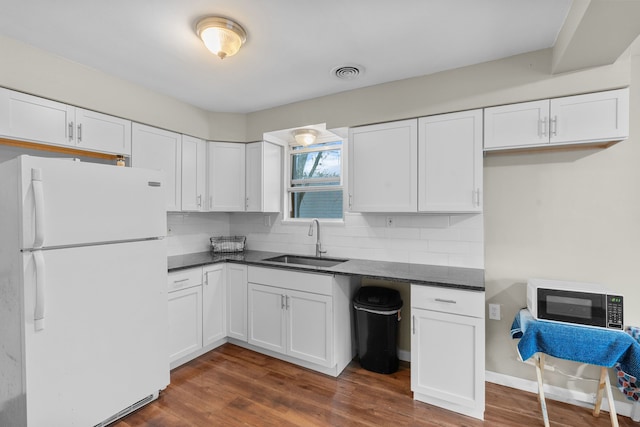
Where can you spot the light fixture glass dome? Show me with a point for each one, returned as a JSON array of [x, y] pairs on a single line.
[[221, 36], [305, 136]]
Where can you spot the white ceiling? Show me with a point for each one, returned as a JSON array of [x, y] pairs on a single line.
[[292, 45]]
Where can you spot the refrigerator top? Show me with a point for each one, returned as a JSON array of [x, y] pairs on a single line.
[[69, 203]]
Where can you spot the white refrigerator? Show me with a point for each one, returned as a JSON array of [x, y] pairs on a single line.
[[83, 303]]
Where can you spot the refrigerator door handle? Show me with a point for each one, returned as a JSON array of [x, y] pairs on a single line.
[[38, 316], [38, 194]]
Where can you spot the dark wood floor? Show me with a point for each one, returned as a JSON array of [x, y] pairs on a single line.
[[231, 386]]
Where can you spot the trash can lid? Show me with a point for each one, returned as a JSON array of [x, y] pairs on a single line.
[[377, 298]]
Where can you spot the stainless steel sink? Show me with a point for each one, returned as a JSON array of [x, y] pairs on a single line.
[[307, 260]]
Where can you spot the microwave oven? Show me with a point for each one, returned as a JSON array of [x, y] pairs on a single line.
[[578, 303]]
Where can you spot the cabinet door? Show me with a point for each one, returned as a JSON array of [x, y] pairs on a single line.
[[237, 301], [185, 322], [383, 167], [447, 360], [516, 125], [450, 162], [266, 317], [194, 173], [263, 177], [103, 133], [310, 327], [602, 116], [226, 177], [214, 302], [29, 118], [254, 173], [159, 149]]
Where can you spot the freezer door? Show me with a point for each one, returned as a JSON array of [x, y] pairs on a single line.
[[66, 202], [102, 342]]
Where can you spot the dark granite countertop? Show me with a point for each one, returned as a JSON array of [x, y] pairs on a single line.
[[422, 274]]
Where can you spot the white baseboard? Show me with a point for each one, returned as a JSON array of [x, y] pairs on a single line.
[[404, 355], [560, 394]]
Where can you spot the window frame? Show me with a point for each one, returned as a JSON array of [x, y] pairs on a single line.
[[289, 181]]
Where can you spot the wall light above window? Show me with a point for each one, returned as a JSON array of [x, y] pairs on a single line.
[[305, 136], [221, 36]]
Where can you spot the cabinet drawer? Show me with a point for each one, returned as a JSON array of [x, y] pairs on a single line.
[[305, 282], [184, 279], [447, 300]]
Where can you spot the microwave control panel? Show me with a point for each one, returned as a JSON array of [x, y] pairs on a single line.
[[614, 311]]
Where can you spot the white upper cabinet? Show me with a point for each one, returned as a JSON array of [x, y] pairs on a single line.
[[450, 162], [154, 148], [516, 125], [30, 118], [263, 177], [590, 118], [383, 167], [194, 173], [593, 117], [103, 133], [226, 177]]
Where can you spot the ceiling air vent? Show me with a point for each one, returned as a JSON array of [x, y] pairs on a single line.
[[347, 72]]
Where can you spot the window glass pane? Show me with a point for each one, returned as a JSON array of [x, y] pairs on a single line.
[[315, 164], [318, 204]]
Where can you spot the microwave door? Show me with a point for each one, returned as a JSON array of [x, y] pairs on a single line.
[[581, 308]]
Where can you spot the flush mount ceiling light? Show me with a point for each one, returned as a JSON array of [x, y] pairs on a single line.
[[221, 36], [305, 136]]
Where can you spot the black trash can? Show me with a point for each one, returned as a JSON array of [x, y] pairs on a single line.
[[377, 315]]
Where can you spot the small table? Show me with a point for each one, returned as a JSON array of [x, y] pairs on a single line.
[[594, 346]]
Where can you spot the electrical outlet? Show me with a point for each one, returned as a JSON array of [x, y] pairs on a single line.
[[390, 222], [494, 311]]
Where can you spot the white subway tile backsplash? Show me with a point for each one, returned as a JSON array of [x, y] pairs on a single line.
[[455, 240], [448, 247]]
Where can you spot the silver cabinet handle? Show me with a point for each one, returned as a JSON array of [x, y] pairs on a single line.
[[476, 197], [448, 301], [71, 131], [287, 300], [542, 127], [350, 198], [282, 297], [180, 281], [413, 325], [199, 200], [210, 202], [553, 124], [79, 132]]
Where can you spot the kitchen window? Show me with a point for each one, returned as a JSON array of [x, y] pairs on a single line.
[[315, 181]]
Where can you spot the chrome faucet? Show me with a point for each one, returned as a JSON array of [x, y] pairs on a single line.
[[319, 250]]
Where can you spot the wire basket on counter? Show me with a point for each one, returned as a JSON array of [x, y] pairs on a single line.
[[228, 243]]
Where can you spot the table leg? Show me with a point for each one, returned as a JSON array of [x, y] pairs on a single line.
[[539, 359], [612, 405], [601, 386]]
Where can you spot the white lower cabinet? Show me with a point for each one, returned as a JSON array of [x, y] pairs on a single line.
[[447, 348], [304, 317], [237, 301], [214, 302], [185, 313], [298, 324]]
